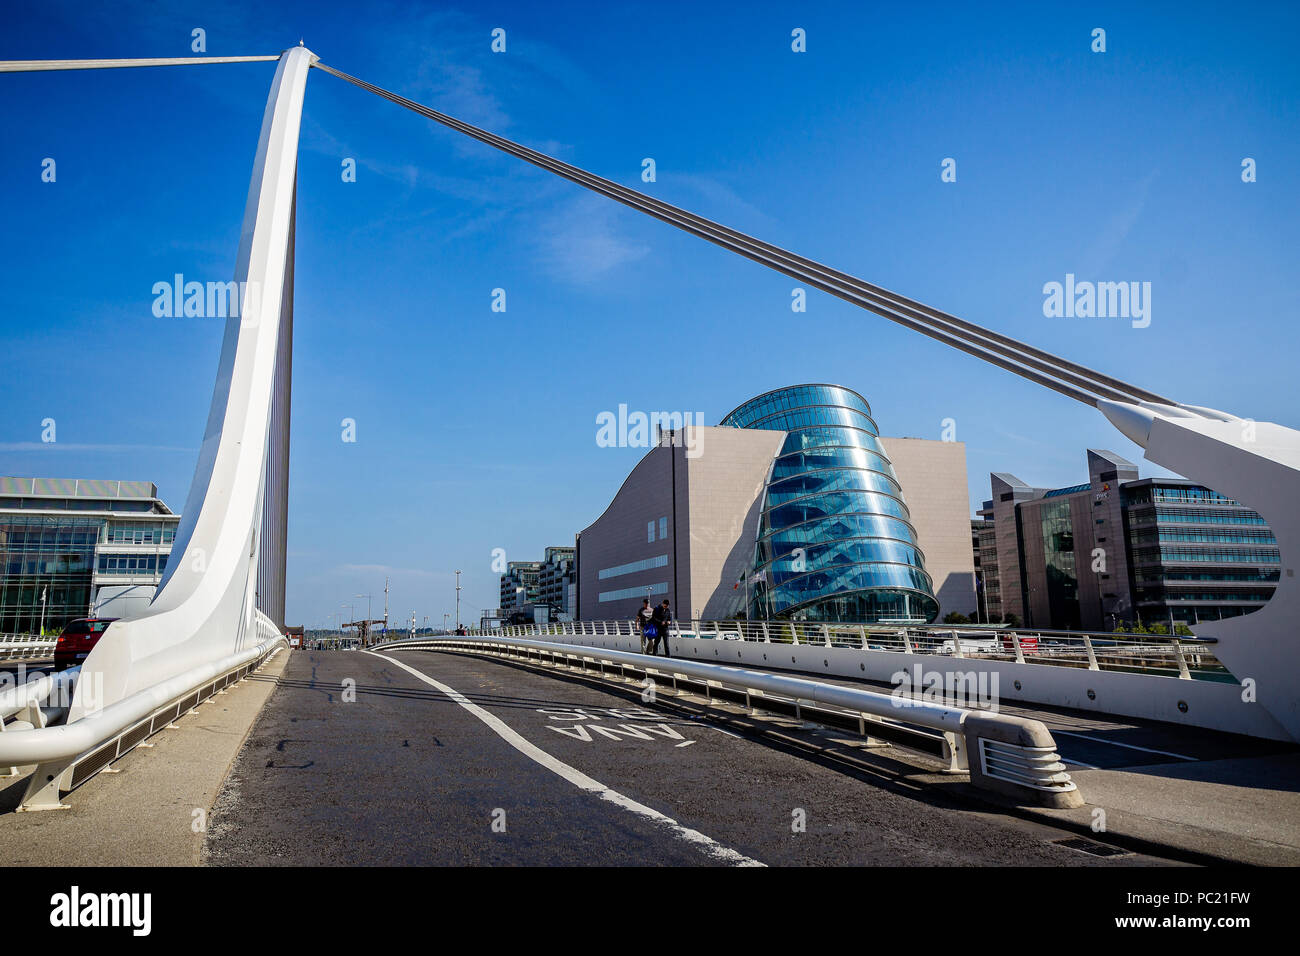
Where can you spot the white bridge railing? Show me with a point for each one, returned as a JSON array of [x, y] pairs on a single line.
[[60, 756], [1171, 655], [1013, 755], [26, 647]]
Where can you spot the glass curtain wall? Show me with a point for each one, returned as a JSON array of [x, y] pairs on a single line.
[[48, 561], [835, 541]]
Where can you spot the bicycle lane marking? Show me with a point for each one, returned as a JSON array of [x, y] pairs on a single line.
[[576, 777]]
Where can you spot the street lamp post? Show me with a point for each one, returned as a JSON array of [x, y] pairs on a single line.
[[458, 600]]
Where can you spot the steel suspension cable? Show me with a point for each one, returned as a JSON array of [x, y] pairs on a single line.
[[955, 332]]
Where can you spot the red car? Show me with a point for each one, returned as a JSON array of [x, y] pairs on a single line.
[[77, 639]]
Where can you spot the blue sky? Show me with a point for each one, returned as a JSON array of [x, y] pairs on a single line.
[[476, 430]]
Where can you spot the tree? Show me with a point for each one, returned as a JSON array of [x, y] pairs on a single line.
[[1010, 620], [955, 617]]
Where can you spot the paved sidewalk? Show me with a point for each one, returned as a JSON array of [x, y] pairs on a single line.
[[144, 815], [1244, 810]]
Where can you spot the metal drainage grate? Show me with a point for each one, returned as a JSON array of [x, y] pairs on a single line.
[[1088, 846]]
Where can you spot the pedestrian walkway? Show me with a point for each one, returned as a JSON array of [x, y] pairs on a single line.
[[154, 810]]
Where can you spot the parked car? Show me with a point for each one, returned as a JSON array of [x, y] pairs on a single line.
[[77, 640]]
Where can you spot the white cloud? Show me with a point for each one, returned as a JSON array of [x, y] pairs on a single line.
[[580, 241]]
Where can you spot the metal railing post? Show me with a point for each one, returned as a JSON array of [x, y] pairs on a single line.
[[1092, 654], [1183, 672]]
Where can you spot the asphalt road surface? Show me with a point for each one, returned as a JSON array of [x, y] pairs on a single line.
[[440, 758], [13, 673]]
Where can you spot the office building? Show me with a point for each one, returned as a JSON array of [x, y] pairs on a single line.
[[556, 580], [988, 590], [792, 507], [520, 586], [1120, 550], [545, 588], [73, 548]]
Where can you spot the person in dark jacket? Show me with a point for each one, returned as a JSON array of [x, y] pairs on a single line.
[[661, 618]]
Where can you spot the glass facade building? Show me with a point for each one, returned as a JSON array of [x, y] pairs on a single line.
[[835, 540], [1120, 550], [71, 548], [1196, 555]]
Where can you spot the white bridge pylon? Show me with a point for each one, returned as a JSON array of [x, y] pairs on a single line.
[[228, 560], [233, 524]]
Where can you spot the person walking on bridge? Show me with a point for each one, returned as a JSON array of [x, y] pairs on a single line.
[[643, 618], [661, 619]]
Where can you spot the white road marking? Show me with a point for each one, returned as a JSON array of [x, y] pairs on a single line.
[[685, 743], [1116, 743], [1078, 763], [576, 777]]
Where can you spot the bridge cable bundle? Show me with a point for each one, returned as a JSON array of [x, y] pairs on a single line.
[[1069, 378]]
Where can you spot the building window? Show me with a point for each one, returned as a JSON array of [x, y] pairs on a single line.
[[649, 532], [624, 593], [663, 528], [656, 562]]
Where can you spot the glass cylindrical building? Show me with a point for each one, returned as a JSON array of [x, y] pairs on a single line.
[[835, 541]]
